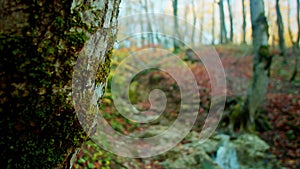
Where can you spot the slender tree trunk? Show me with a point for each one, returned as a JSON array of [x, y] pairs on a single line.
[[280, 29], [177, 43], [298, 21], [223, 32], [272, 32], [186, 26], [202, 13], [231, 21], [213, 24], [294, 74], [154, 22], [165, 40], [244, 22], [194, 22], [150, 33], [295, 44], [157, 37], [258, 88], [142, 26], [142, 35], [289, 26], [39, 44]]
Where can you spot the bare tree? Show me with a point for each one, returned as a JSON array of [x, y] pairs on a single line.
[[39, 44], [258, 88], [223, 32], [213, 24], [186, 28], [201, 22], [177, 43], [280, 29], [231, 20], [142, 26], [244, 22], [271, 23], [194, 22], [298, 21], [295, 43], [289, 26], [244, 117], [149, 26]]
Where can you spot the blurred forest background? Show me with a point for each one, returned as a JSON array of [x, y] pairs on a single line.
[[205, 16], [270, 140]]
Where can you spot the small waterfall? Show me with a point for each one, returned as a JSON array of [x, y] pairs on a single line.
[[226, 156]]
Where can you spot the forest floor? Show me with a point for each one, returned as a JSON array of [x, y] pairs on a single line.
[[281, 108]]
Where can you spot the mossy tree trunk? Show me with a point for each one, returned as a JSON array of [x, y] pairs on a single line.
[[243, 116], [39, 45], [259, 84]]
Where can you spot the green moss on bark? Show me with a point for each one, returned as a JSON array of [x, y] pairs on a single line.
[[39, 127]]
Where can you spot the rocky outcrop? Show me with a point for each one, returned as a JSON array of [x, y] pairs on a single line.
[[246, 151]]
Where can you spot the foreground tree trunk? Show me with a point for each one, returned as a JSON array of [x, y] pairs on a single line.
[[39, 44], [280, 29]]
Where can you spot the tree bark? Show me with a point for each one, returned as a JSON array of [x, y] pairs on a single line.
[[272, 31], [194, 22], [186, 26], [258, 88], [150, 33], [39, 45], [142, 27], [201, 22], [223, 32], [280, 29], [243, 117], [298, 21], [177, 43], [244, 22], [213, 24], [289, 23], [295, 43], [231, 21]]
